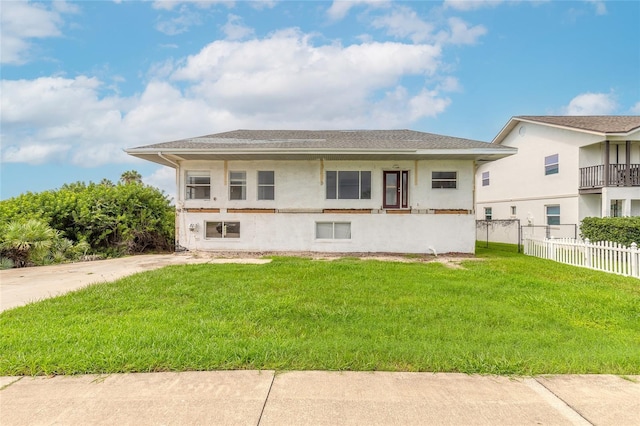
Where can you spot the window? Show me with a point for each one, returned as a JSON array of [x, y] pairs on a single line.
[[266, 185], [237, 185], [333, 230], [616, 208], [198, 185], [551, 166], [222, 230], [513, 210], [485, 178], [488, 213], [553, 215], [444, 179], [348, 185]]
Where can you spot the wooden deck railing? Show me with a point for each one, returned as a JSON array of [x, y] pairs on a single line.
[[619, 175]]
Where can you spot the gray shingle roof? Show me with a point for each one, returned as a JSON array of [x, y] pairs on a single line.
[[595, 123], [320, 139]]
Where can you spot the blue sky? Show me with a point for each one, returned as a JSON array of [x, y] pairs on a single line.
[[81, 81]]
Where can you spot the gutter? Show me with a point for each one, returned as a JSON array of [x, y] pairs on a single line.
[[176, 165]]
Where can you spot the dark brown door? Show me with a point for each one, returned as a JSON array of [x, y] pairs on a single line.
[[391, 190], [395, 189]]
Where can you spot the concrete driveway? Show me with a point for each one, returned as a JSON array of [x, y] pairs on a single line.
[[25, 285]]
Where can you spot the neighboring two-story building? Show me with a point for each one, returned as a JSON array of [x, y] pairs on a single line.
[[567, 168], [325, 191]]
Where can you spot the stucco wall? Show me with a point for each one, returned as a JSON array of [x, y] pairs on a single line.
[[520, 180], [406, 233], [300, 186]]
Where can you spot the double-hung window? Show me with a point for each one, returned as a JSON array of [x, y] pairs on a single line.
[[266, 185], [348, 185], [237, 185], [198, 185], [553, 215], [485, 178], [444, 180], [488, 213], [551, 165], [333, 230]]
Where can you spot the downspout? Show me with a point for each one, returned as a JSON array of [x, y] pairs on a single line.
[[178, 203]]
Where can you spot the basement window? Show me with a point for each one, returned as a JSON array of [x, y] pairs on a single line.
[[333, 230], [222, 230]]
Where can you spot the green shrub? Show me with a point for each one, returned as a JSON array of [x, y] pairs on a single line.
[[105, 218], [623, 230]]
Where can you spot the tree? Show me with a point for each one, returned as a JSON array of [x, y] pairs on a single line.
[[131, 176]]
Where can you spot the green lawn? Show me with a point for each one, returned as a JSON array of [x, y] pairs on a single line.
[[506, 314]]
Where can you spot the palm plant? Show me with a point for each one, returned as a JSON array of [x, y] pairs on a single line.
[[23, 241]]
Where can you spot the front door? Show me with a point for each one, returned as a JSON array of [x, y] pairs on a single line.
[[395, 189]]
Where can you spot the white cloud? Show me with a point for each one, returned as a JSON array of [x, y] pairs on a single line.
[[592, 104], [21, 22], [635, 109], [163, 178], [465, 5], [180, 23], [460, 32], [281, 81], [202, 4], [284, 78], [234, 28], [404, 22], [599, 5], [34, 153], [340, 8]]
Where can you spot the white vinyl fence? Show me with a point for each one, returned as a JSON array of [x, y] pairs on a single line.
[[603, 256]]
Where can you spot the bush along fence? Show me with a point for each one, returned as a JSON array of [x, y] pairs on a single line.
[[603, 255]]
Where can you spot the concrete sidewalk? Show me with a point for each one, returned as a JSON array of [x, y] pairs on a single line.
[[319, 398]]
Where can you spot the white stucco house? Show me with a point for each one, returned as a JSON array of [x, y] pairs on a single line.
[[567, 168], [325, 191]]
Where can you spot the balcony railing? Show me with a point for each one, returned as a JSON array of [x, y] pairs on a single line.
[[619, 175]]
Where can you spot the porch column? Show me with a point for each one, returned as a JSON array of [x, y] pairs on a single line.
[[627, 157], [605, 172]]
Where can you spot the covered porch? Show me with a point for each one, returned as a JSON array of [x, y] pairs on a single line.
[[626, 174]]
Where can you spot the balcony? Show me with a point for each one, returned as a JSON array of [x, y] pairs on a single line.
[[594, 178]]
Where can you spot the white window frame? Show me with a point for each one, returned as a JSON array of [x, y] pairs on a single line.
[[266, 185], [552, 164], [437, 182], [242, 184], [485, 179], [552, 215], [225, 224], [334, 234], [488, 213], [192, 188]]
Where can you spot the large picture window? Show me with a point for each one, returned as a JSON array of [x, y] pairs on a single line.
[[266, 185], [222, 230], [551, 165], [444, 180], [237, 185], [198, 185], [347, 185], [333, 230]]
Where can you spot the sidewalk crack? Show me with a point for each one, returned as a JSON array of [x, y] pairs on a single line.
[[558, 403], [273, 378]]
